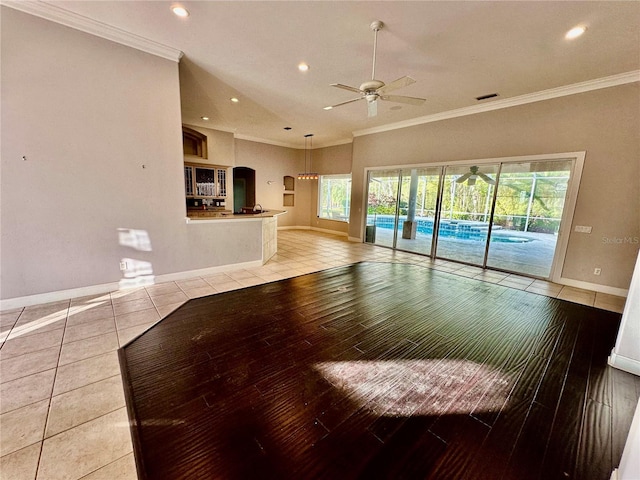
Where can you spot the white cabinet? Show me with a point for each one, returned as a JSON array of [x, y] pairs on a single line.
[[205, 181]]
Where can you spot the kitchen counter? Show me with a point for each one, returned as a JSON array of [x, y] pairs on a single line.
[[220, 223], [217, 215]]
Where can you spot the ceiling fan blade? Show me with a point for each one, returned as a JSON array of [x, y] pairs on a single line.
[[463, 178], [344, 103], [346, 87], [487, 178], [372, 108], [403, 99], [396, 84]]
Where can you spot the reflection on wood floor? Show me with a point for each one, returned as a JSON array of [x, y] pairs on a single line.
[[378, 370]]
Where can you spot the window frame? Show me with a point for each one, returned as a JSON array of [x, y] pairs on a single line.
[[347, 207]]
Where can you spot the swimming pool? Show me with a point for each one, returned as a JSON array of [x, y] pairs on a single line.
[[456, 229]]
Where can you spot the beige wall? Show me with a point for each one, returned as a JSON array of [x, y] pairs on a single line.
[[328, 161], [220, 146], [271, 164], [86, 130], [604, 123], [88, 114]]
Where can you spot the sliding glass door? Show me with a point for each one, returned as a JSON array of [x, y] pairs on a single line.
[[418, 205], [406, 221], [505, 216], [382, 208], [529, 205], [465, 213]]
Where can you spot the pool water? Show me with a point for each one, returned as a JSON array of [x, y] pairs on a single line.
[[456, 229]]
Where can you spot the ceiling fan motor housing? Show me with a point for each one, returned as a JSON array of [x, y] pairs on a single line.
[[371, 86]]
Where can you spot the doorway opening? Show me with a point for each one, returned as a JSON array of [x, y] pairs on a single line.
[[244, 188]]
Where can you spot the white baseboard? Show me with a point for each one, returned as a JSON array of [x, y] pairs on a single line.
[[203, 272], [332, 232], [626, 364], [26, 301], [293, 227], [594, 287], [315, 229]]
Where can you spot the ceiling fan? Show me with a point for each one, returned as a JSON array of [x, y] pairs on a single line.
[[374, 90], [471, 176]]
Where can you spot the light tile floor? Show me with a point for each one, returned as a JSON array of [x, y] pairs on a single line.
[[62, 407]]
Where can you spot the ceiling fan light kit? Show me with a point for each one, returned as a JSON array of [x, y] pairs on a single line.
[[374, 90]]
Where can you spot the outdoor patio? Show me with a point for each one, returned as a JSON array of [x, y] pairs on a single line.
[[531, 256]]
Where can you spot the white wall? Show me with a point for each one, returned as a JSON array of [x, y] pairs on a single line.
[[88, 114], [626, 353]]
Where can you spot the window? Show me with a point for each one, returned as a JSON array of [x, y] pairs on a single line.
[[334, 197]]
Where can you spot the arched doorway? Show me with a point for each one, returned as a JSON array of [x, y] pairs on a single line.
[[244, 188]]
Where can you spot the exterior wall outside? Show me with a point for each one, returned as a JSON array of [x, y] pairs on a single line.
[[604, 123]]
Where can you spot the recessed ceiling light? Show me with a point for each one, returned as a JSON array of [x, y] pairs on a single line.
[[303, 67], [180, 11], [204, 118], [234, 100], [328, 108], [575, 32]]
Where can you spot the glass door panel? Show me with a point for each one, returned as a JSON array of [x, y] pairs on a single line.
[[418, 200], [465, 212], [382, 207], [526, 221]]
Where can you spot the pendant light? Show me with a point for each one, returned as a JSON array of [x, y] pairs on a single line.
[[308, 139]]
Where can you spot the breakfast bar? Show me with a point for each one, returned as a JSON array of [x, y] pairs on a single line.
[[262, 224]]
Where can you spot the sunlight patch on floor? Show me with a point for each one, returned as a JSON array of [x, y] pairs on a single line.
[[403, 388]]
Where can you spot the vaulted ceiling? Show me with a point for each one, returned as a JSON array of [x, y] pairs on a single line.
[[456, 51]]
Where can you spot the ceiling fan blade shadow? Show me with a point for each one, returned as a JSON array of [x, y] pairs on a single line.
[[403, 99], [346, 87], [463, 177], [372, 108], [487, 178], [348, 101], [396, 84]]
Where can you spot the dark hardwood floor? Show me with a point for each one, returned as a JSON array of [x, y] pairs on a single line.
[[378, 370]]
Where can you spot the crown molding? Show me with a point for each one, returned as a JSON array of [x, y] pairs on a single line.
[[248, 138], [597, 84], [295, 146], [78, 22]]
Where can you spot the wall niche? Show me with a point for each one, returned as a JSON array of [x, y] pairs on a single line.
[[194, 144], [288, 198]]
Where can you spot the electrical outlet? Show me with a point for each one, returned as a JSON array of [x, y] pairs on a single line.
[[597, 271], [582, 229], [123, 266]]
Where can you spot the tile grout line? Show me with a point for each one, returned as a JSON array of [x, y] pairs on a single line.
[[53, 384], [100, 468]]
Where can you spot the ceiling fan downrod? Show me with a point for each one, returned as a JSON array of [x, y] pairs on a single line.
[[376, 26]]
